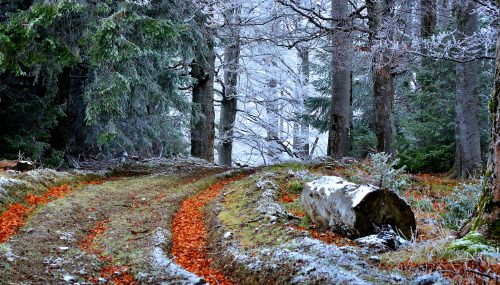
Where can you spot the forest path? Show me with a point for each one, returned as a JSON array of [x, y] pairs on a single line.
[[101, 233], [189, 242]]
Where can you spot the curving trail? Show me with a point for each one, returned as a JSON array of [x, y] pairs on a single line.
[[95, 232], [189, 235]]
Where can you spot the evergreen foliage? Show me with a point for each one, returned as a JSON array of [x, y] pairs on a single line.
[[426, 140], [116, 68]]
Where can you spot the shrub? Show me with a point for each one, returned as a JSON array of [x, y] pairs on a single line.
[[296, 187], [385, 174], [461, 203]]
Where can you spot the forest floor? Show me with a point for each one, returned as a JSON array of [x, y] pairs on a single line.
[[188, 222]]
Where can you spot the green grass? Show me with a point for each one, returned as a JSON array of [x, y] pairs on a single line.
[[241, 218]]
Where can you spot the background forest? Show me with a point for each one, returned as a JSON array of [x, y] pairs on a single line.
[[252, 82]]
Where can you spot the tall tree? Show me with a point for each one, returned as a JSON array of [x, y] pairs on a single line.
[[467, 134], [203, 115], [340, 113], [300, 127], [486, 218], [383, 77], [202, 127], [303, 54], [229, 100]]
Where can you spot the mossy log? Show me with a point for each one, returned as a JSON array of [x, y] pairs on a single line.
[[356, 210]]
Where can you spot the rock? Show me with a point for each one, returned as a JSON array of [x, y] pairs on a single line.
[[430, 279], [355, 210], [385, 240], [228, 235], [68, 278], [63, 248]]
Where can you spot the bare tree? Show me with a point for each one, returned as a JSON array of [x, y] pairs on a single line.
[[229, 100]]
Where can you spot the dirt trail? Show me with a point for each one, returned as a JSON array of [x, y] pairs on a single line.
[[99, 231], [190, 247]]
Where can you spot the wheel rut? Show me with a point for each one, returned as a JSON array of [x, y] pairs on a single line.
[[189, 241]]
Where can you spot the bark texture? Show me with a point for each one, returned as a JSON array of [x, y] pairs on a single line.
[[467, 136], [383, 80], [340, 115], [486, 218], [229, 101], [202, 126], [356, 210], [301, 128], [273, 121]]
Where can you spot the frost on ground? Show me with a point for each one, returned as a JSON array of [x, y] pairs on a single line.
[[310, 261], [159, 260], [299, 259], [6, 184], [384, 241], [266, 203]]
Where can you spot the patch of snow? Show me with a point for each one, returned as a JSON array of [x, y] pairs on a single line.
[[6, 183], [384, 241], [311, 260], [302, 175], [329, 184], [67, 236], [161, 262], [69, 278], [266, 203], [434, 278]]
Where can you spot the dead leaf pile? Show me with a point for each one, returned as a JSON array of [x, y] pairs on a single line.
[[14, 217], [189, 235]]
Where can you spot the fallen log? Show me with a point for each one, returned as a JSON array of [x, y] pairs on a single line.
[[356, 210]]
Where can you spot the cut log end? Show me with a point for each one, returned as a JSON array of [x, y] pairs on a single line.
[[384, 207]]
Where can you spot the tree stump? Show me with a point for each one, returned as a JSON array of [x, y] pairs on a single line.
[[356, 210], [24, 165]]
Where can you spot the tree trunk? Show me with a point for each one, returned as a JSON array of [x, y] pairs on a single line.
[[202, 126], [467, 136], [355, 210], [340, 114], [273, 121], [229, 101], [301, 128], [486, 218], [427, 19], [383, 81]]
